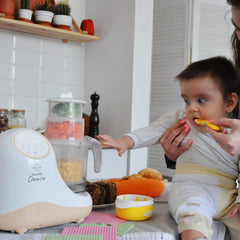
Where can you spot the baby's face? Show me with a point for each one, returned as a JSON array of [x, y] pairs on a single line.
[[203, 99]]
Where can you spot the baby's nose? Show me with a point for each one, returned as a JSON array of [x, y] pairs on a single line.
[[193, 107]]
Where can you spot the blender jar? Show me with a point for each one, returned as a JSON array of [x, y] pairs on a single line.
[[65, 119], [65, 131], [72, 158]]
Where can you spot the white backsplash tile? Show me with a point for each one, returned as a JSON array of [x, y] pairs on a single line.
[[26, 88], [52, 61], [22, 42], [27, 73], [4, 101], [76, 89], [5, 71], [34, 68], [7, 55], [6, 38], [27, 58], [73, 50], [55, 47], [55, 76], [73, 63], [74, 77]]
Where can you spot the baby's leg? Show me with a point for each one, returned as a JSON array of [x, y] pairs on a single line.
[[194, 225], [192, 235]]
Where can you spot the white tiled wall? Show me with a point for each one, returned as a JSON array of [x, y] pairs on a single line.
[[35, 68]]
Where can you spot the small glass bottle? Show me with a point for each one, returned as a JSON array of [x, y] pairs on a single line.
[[18, 119], [3, 120]]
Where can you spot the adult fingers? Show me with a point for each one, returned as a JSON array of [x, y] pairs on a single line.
[[234, 211], [179, 137], [185, 147], [224, 140], [173, 130], [226, 122]]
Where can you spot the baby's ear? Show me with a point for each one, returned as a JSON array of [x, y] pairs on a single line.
[[231, 102]]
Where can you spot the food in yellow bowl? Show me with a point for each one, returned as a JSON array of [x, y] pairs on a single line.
[[134, 207]]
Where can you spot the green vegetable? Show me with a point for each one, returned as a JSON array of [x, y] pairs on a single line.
[[66, 109]]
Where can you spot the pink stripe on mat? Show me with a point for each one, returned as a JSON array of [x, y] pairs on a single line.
[[108, 233]]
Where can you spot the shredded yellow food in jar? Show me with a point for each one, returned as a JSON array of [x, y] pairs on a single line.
[[70, 170]]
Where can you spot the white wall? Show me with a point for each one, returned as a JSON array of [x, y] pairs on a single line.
[[118, 67], [109, 63]]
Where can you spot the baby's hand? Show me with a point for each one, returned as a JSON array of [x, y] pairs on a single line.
[[120, 144], [235, 210]]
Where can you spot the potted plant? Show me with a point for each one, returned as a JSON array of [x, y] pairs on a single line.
[[7, 7], [43, 13], [62, 18], [24, 12]]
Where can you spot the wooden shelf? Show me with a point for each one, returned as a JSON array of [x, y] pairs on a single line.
[[38, 29]]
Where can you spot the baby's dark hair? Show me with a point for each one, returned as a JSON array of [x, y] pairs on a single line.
[[220, 69], [234, 3]]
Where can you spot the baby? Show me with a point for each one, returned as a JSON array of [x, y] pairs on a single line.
[[204, 184]]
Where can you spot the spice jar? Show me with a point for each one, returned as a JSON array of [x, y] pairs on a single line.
[[18, 119], [3, 120]]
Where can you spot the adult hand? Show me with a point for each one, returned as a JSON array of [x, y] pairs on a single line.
[[172, 138], [229, 142], [235, 210]]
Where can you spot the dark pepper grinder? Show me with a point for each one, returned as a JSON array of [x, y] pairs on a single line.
[[94, 118]]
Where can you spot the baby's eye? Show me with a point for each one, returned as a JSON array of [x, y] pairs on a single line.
[[202, 100], [187, 101]]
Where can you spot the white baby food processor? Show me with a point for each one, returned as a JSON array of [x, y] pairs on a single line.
[[35, 181]]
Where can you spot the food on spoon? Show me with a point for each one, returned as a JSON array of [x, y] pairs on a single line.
[[210, 125]]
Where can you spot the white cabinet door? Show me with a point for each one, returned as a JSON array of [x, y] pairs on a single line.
[[211, 29], [170, 54], [184, 31]]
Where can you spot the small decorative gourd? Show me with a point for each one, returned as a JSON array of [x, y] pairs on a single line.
[[88, 26]]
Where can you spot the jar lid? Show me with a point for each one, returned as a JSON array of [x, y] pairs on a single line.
[[18, 110], [66, 100]]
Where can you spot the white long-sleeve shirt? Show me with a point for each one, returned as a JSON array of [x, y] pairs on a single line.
[[204, 150]]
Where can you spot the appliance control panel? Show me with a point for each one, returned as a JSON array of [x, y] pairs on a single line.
[[31, 144]]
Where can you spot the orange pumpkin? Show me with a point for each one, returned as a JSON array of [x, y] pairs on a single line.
[[143, 186], [87, 25]]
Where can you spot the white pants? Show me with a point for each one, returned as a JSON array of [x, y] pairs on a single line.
[[194, 204]]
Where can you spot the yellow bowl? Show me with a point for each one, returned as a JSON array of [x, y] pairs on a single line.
[[134, 207]]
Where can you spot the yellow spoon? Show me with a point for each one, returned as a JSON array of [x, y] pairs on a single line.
[[212, 126]]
